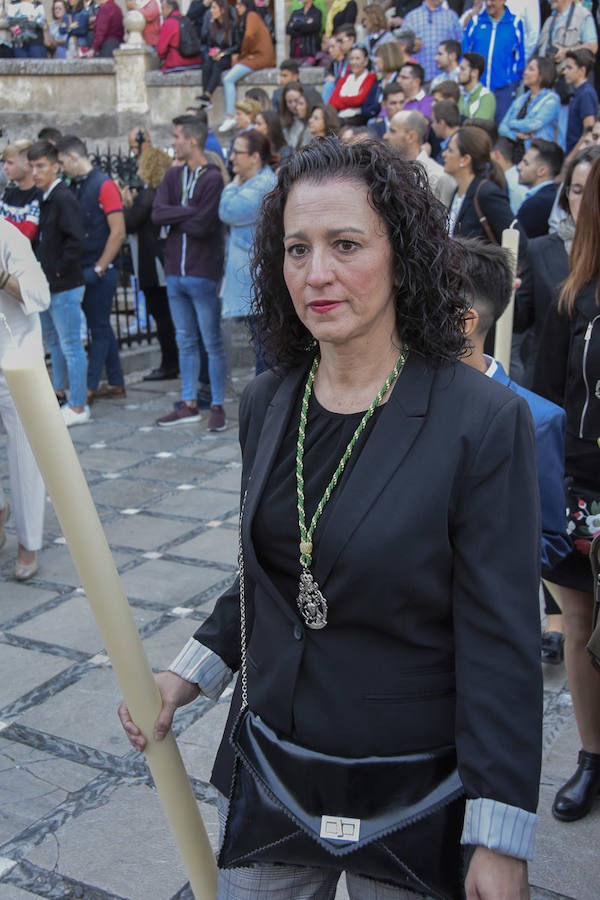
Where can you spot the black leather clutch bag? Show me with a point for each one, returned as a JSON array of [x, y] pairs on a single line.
[[396, 819]]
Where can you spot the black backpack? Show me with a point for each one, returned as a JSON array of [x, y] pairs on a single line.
[[189, 42]]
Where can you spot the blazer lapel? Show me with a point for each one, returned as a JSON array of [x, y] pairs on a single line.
[[395, 432]]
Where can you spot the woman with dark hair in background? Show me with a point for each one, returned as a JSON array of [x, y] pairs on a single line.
[[221, 38], [80, 32], [269, 124], [304, 108], [535, 112], [480, 206], [256, 52], [323, 120], [423, 627], [238, 209], [295, 96], [355, 94], [260, 96], [137, 208], [545, 270], [568, 372]]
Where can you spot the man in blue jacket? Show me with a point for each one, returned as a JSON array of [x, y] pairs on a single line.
[[491, 279], [497, 35]]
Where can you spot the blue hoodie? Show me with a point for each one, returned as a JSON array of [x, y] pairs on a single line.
[[501, 44]]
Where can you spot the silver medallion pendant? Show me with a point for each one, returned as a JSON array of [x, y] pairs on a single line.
[[311, 602]]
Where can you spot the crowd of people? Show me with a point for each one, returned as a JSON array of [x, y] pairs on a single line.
[[489, 113]]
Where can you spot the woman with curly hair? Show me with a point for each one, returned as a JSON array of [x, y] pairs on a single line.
[[390, 616]]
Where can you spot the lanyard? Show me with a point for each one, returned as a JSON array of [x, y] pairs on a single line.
[[189, 177]]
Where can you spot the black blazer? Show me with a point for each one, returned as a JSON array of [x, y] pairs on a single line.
[[429, 560], [534, 212], [545, 269], [494, 206]]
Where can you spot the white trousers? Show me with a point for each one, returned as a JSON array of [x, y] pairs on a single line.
[[28, 493]]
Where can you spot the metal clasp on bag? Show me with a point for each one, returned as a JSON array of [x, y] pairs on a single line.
[[339, 828]]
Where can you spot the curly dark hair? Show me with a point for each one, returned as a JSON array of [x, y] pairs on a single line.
[[429, 267]]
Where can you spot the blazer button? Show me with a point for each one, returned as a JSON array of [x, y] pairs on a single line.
[[298, 633]]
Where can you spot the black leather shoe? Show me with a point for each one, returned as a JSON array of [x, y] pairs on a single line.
[[553, 651], [161, 374], [575, 798]]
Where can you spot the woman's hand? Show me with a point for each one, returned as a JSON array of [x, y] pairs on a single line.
[[174, 692], [494, 876]]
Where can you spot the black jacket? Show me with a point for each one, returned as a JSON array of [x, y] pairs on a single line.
[[494, 206], [535, 211], [227, 47], [545, 268], [304, 29], [138, 220], [60, 242], [431, 636], [568, 364]]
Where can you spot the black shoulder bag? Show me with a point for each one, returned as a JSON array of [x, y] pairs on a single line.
[[396, 819]]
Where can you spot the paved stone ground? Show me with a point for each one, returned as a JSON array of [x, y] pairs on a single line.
[[78, 814]]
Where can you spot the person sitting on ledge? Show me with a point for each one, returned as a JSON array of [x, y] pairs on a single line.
[[167, 47]]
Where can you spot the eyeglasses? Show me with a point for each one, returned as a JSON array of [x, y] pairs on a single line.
[[235, 152]]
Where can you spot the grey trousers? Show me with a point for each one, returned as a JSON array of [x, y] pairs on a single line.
[[296, 882]]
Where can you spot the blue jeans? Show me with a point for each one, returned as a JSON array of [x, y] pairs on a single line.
[[104, 350], [504, 97], [61, 328], [229, 79], [194, 304]]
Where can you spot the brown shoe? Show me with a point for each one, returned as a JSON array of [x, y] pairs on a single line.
[[217, 420], [110, 390]]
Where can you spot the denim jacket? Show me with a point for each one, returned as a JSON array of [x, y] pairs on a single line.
[[238, 209], [541, 120]]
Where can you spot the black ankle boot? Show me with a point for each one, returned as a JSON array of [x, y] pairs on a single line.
[[575, 798]]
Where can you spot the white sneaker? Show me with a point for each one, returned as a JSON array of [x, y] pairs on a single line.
[[75, 418], [226, 125]]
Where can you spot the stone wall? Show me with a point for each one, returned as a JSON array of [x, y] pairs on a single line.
[[101, 99]]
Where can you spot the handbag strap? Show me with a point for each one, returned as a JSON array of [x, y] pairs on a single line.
[[243, 667], [482, 218]]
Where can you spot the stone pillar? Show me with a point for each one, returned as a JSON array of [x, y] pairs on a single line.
[[131, 65]]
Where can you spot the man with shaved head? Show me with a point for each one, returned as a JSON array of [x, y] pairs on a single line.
[[408, 130]]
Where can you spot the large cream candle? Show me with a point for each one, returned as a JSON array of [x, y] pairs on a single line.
[[504, 325], [29, 384]]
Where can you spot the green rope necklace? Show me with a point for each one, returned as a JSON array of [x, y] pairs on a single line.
[[311, 602]]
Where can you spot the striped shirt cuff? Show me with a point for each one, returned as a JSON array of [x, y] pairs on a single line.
[[203, 667], [500, 827]]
